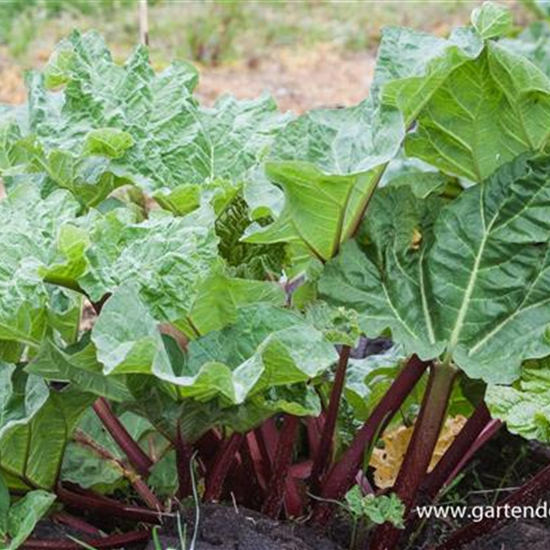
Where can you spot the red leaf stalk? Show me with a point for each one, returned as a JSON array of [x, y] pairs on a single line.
[[341, 476], [323, 456], [106, 506], [222, 465], [314, 428], [137, 457], [267, 437], [492, 428], [76, 523], [420, 450], [251, 476], [106, 543], [184, 456], [281, 466]]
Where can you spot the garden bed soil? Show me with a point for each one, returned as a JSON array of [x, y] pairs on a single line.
[[223, 527], [228, 528], [515, 536]]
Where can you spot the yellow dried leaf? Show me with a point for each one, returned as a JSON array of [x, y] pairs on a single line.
[[416, 239], [387, 461]]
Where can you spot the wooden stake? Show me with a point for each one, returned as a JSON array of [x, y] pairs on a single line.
[[143, 22]]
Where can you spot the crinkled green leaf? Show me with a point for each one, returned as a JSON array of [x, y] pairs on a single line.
[[107, 125], [98, 93], [492, 20], [127, 336], [88, 172], [167, 258], [471, 281], [524, 406], [32, 239], [412, 65], [174, 265], [223, 141], [266, 347]]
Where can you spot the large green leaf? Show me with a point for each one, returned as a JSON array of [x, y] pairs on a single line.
[[174, 265], [35, 426], [113, 124], [33, 237], [487, 112], [166, 257], [89, 172], [266, 347], [412, 65], [261, 365], [328, 162], [472, 281], [384, 286]]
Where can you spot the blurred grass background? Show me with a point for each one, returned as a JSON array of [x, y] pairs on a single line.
[[291, 48]]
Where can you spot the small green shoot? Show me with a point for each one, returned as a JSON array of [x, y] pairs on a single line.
[[370, 510]]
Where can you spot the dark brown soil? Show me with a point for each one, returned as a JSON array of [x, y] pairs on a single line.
[[222, 528], [516, 536], [227, 528]]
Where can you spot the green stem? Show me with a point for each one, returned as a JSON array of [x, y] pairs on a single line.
[[356, 222]]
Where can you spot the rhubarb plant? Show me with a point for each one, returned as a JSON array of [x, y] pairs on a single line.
[[182, 281]]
